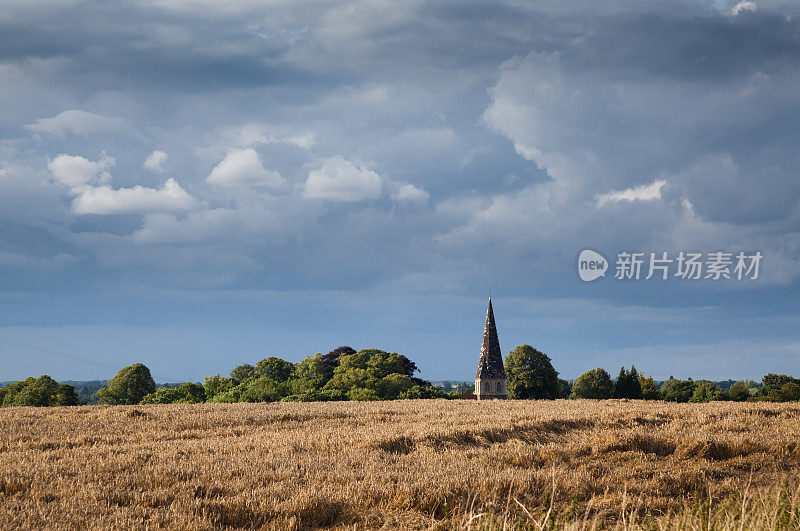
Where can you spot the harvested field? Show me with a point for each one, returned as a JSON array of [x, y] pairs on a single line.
[[421, 464]]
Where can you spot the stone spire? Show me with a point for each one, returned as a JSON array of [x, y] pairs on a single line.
[[490, 364]]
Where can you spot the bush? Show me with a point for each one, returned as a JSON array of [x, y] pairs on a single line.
[[188, 393], [593, 384]]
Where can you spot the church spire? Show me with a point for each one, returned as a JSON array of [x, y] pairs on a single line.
[[490, 364]]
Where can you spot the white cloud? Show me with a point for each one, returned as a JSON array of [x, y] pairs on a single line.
[[408, 193], [139, 199], [76, 172], [645, 192], [744, 5], [341, 180], [81, 123], [242, 167], [254, 133], [155, 162]]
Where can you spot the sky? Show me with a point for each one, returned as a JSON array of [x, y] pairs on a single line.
[[196, 184]]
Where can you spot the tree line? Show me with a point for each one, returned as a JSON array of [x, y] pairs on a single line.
[[373, 374]]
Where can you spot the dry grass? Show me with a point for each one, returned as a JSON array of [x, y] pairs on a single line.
[[420, 464]]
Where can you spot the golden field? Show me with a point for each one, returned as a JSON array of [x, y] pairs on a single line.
[[439, 464]]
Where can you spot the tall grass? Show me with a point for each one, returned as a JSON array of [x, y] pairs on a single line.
[[407, 464]]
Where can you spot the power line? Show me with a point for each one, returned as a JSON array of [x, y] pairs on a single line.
[[57, 354]]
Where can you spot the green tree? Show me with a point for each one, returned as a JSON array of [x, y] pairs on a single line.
[[705, 391], [530, 374], [595, 383], [791, 391], [215, 385], [275, 368], [67, 396], [677, 390], [649, 388], [739, 392], [242, 372], [188, 393], [776, 381], [564, 388], [392, 385], [129, 386]]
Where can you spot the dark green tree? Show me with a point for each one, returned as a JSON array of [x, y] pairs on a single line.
[[649, 388], [242, 372], [129, 386], [275, 368], [677, 390], [627, 384], [705, 391], [67, 396], [188, 393], [739, 392], [564, 388], [215, 385], [530, 374], [595, 383], [776, 381]]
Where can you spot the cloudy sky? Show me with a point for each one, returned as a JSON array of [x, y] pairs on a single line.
[[198, 183]]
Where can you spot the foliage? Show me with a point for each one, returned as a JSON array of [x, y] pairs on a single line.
[[595, 383], [739, 392], [241, 373], [530, 374], [129, 386], [564, 388], [342, 374], [706, 391], [275, 368], [215, 385], [39, 392], [188, 393], [627, 384], [677, 390], [649, 388]]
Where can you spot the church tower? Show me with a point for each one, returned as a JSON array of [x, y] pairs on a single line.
[[490, 380]]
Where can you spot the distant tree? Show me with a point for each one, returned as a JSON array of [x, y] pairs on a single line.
[[275, 368], [328, 362], [791, 391], [214, 385], [39, 392], [447, 386], [263, 389], [705, 391], [776, 381], [595, 383], [677, 390], [67, 396], [627, 384], [129, 386], [242, 372], [739, 392], [188, 393], [649, 388], [530, 374], [564, 388], [464, 388]]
